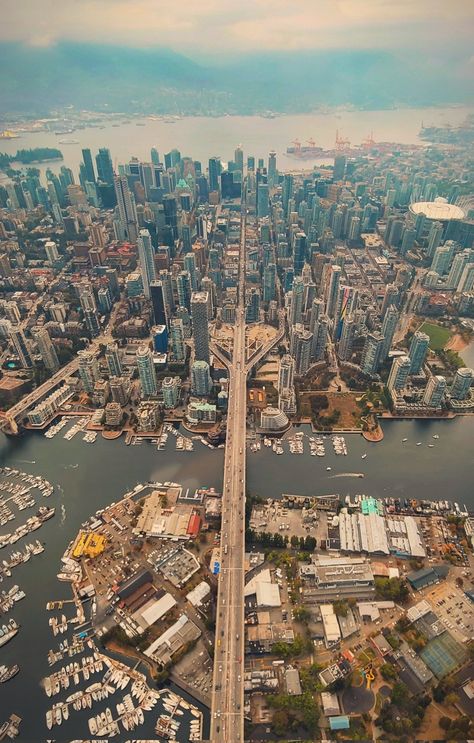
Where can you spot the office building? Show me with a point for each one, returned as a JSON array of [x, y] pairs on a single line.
[[299, 252], [146, 261], [46, 349], [105, 169], [215, 168], [159, 335], [371, 353], [88, 166], [272, 170], [146, 372], [89, 308], [201, 379], [20, 345], [200, 321], [418, 351], [434, 392], [126, 207], [399, 373], [263, 201], [461, 385]]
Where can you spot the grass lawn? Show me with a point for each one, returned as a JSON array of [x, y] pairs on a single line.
[[345, 402], [438, 336]]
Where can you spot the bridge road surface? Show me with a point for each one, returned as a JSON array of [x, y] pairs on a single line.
[[227, 715]]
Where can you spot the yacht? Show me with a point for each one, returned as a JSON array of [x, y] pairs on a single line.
[[363, 456], [403, 440], [418, 443]]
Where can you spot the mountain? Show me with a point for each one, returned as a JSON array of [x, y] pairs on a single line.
[[104, 77]]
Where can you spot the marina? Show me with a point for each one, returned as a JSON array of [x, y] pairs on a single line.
[[72, 467]]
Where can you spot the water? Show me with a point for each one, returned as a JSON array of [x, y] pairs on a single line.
[[105, 470], [202, 137], [86, 477]]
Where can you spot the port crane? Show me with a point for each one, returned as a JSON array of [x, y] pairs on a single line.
[[369, 141], [297, 144], [341, 143]]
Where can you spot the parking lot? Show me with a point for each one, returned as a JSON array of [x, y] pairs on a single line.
[[454, 608], [278, 519]]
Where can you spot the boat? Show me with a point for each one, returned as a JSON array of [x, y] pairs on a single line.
[[430, 446], [435, 436], [418, 443], [92, 726], [7, 634], [49, 719], [7, 673], [328, 469], [403, 440], [68, 141], [58, 716], [363, 456]]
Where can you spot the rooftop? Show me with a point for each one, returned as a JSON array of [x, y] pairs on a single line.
[[439, 209]]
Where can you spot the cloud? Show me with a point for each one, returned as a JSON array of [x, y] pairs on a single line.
[[216, 26]]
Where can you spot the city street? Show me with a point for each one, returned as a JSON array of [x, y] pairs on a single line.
[[227, 721]]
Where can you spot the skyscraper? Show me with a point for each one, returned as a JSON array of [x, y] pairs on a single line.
[[126, 207], [146, 372], [434, 392], [200, 320], [262, 200], [269, 282], [286, 373], [88, 369], [88, 166], [320, 338], [89, 308], [160, 315], [389, 326], [272, 170], [302, 341], [200, 378], [146, 256], [46, 349], [399, 373], [20, 345], [215, 168], [299, 252], [339, 168], [296, 307], [371, 353], [105, 169], [112, 358], [418, 350], [177, 339], [459, 263], [462, 383], [347, 338], [332, 293]]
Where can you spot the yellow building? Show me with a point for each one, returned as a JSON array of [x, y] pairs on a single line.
[[88, 544]]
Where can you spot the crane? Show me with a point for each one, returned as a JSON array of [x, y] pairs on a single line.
[[311, 142], [369, 141], [297, 144], [341, 143]]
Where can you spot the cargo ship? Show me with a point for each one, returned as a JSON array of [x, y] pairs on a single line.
[[304, 152]]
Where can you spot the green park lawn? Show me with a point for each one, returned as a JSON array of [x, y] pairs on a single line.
[[438, 336]]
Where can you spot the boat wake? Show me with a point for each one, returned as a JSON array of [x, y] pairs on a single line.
[[348, 474], [71, 466], [26, 461], [63, 513]]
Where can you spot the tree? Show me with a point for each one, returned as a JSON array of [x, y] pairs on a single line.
[[388, 672], [280, 722], [340, 608], [445, 723]]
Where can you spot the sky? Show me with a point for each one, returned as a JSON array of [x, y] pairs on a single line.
[[234, 27]]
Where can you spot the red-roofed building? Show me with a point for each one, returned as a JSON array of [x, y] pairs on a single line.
[[194, 525]]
